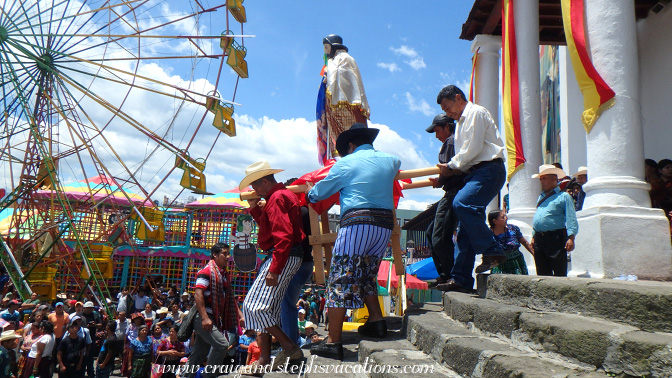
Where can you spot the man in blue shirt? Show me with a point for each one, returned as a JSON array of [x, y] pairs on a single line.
[[365, 178], [554, 224]]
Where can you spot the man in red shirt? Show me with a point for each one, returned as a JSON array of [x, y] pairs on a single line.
[[280, 235], [218, 312]]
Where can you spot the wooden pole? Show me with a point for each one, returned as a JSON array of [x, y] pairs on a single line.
[[318, 257], [402, 175], [324, 218]]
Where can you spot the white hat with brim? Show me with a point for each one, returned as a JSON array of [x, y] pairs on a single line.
[[256, 171], [162, 310], [582, 171], [549, 169], [310, 325], [9, 335]]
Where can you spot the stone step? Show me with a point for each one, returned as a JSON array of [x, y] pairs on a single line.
[[613, 347], [646, 305], [399, 358], [471, 353]]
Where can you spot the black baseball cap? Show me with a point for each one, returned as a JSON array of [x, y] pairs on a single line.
[[439, 120]]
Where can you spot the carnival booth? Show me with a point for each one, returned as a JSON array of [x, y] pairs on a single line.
[[224, 218]]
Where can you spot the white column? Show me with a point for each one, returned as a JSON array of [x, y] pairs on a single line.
[[619, 233], [572, 133], [523, 190], [487, 80]]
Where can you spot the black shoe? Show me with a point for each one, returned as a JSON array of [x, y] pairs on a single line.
[[438, 281], [489, 262], [451, 285], [329, 350], [376, 329]]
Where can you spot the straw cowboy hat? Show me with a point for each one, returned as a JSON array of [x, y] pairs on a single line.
[[8, 335], [582, 171], [256, 171], [162, 310], [356, 129], [549, 169]]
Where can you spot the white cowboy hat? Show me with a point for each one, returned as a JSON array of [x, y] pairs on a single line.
[[582, 171], [256, 171], [162, 310], [8, 335], [310, 324], [549, 169]]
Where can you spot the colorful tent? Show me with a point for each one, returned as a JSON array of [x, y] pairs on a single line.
[[99, 188], [411, 282], [229, 199]]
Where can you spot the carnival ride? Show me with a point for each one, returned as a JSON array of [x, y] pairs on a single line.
[[105, 95]]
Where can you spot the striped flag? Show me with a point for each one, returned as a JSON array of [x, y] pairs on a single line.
[[510, 92], [597, 95], [472, 81]]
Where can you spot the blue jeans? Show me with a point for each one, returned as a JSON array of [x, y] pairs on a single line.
[[474, 237], [290, 314], [106, 371]]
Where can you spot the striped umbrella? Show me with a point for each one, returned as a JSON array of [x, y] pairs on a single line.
[[226, 199], [98, 188]]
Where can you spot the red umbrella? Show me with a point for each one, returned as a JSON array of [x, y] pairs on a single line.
[[411, 282]]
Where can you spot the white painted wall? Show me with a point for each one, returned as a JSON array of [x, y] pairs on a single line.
[[654, 37]]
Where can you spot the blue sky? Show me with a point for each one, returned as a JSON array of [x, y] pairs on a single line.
[[406, 52]]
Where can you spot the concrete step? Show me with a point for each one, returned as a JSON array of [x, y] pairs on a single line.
[[646, 305], [399, 358], [471, 353], [613, 347]]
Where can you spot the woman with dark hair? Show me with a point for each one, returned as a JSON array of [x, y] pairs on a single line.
[[170, 351], [510, 238], [30, 333], [38, 362], [137, 321], [141, 353], [157, 337]]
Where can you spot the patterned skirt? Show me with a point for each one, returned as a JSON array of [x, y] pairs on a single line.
[[514, 264], [142, 365]]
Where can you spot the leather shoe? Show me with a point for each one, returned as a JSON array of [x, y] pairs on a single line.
[[329, 350], [440, 280], [377, 329], [451, 285], [489, 262]]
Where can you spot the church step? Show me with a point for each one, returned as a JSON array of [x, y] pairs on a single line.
[[472, 353], [646, 305], [616, 348], [399, 358]]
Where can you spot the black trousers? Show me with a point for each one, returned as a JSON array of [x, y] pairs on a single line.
[[550, 255], [440, 236]]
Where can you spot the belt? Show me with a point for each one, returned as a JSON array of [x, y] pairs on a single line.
[[550, 233], [484, 163]]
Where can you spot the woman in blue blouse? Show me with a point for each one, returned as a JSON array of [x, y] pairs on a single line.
[[510, 238], [141, 353]]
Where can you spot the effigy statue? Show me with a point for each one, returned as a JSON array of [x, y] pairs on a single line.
[[341, 100]]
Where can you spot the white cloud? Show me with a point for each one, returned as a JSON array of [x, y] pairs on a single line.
[[392, 67], [419, 106], [409, 204], [414, 60]]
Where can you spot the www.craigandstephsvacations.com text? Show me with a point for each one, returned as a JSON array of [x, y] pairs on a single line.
[[309, 366]]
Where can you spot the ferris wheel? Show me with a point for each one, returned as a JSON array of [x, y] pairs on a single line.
[[114, 90]]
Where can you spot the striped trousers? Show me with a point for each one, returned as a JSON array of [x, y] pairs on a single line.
[[354, 264], [261, 306]]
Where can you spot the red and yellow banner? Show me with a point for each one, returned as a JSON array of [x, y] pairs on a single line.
[[472, 81], [510, 92], [597, 95]]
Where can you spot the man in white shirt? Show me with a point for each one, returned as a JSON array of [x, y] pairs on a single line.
[[479, 152]]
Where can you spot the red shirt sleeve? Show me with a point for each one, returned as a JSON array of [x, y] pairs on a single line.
[[281, 230]]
